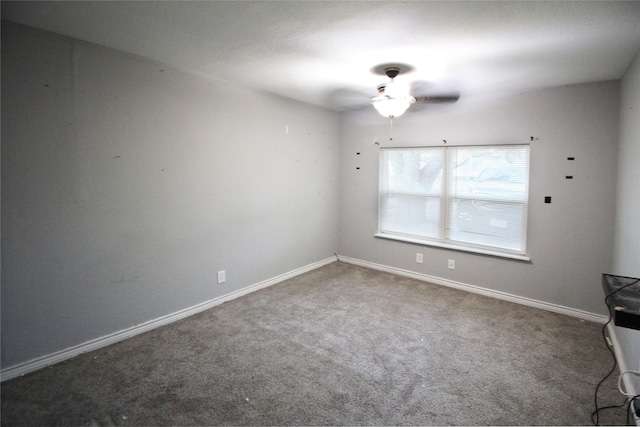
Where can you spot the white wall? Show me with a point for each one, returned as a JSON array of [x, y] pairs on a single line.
[[127, 185], [626, 261], [570, 241]]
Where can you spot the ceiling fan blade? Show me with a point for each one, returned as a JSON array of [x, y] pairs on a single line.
[[438, 99], [345, 99], [422, 86]]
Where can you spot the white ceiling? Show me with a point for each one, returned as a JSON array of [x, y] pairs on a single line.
[[323, 52]]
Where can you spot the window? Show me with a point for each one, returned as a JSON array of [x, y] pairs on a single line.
[[472, 198]]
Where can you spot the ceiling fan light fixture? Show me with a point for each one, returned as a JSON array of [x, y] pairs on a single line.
[[394, 89], [393, 107]]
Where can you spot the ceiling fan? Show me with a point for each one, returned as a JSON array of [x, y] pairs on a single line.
[[394, 98]]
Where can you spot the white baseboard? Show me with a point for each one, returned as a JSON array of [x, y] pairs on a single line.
[[95, 344], [584, 315]]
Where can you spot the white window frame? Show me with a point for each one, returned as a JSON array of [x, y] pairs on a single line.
[[442, 240]]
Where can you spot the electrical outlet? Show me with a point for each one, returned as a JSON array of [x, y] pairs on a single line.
[[419, 258], [451, 264], [222, 276]]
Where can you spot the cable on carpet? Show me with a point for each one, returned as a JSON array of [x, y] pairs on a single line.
[[595, 415]]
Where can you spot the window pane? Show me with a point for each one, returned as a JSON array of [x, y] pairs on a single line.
[[466, 196], [415, 171], [488, 223], [411, 190], [410, 215], [488, 196]]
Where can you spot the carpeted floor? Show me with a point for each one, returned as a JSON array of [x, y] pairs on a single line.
[[341, 345]]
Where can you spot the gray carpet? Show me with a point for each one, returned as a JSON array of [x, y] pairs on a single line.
[[341, 345]]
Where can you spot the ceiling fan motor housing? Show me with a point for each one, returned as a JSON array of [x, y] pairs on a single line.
[[392, 72]]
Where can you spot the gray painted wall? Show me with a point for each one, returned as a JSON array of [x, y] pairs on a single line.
[[127, 185], [626, 260], [570, 241]]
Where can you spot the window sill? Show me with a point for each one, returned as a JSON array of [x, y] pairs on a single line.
[[489, 252]]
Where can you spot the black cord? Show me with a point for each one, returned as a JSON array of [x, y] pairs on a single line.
[[631, 405], [597, 411], [597, 421]]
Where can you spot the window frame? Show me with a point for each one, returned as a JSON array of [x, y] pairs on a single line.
[[446, 195]]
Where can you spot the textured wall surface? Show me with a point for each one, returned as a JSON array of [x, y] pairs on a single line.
[[627, 242], [570, 241], [126, 186]]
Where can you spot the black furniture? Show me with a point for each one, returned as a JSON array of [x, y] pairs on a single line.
[[623, 299]]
